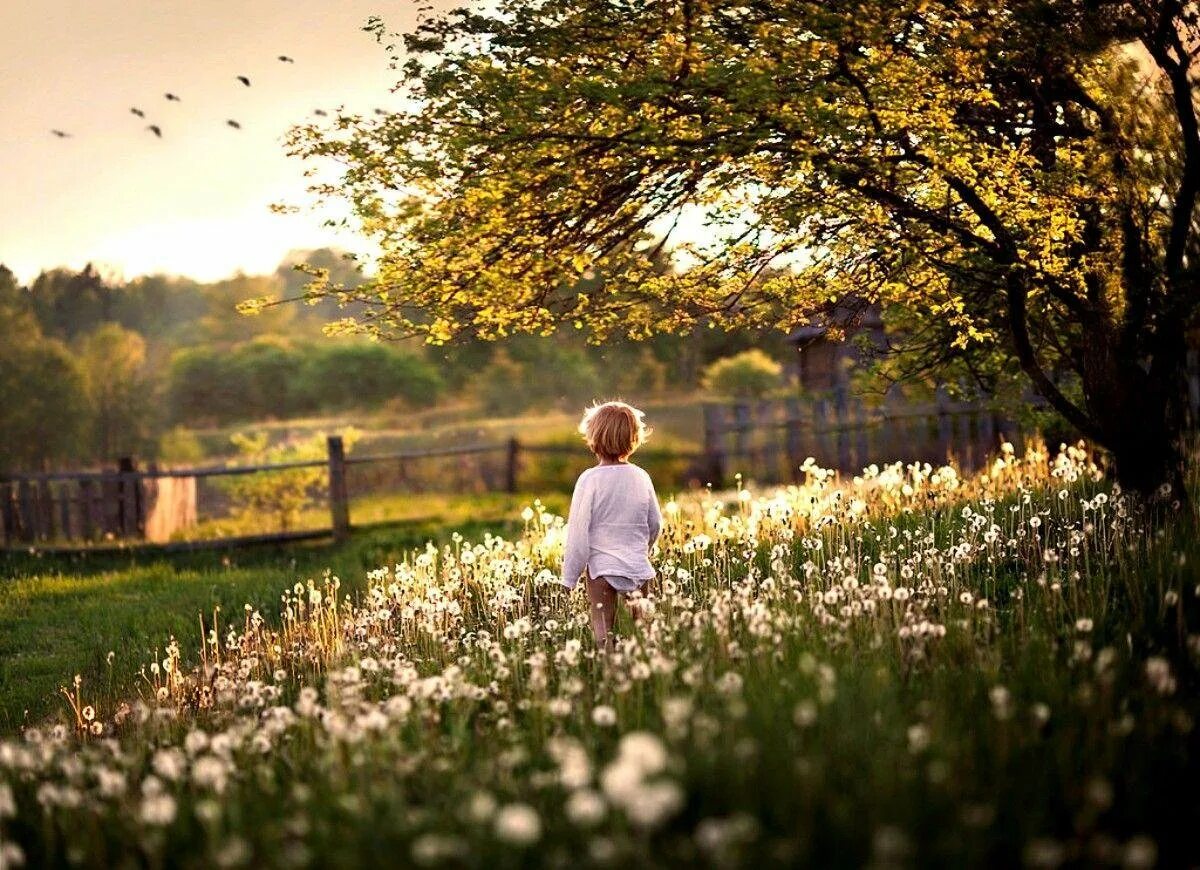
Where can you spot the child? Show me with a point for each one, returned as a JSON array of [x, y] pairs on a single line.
[[614, 519]]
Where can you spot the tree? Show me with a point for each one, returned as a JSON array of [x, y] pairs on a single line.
[[201, 388], [537, 373], [1016, 178], [45, 417], [120, 391], [361, 375], [750, 374], [70, 304]]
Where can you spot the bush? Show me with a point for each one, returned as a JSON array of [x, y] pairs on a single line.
[[180, 446], [750, 374], [540, 375], [281, 495], [361, 375], [266, 375], [202, 389]]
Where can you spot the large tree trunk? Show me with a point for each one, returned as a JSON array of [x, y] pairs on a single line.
[[1148, 460], [1141, 411]]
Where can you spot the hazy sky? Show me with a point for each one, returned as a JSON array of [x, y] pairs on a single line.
[[196, 201]]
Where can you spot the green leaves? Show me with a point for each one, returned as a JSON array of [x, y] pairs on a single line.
[[925, 155]]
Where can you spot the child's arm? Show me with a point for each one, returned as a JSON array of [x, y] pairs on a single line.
[[577, 548]]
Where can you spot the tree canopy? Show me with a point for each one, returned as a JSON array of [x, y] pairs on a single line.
[[1014, 182]]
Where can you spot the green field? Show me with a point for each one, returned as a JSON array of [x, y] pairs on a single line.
[[62, 615]]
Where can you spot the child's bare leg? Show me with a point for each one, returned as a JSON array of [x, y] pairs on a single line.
[[602, 604], [633, 601]]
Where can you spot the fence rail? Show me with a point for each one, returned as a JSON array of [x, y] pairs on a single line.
[[177, 507], [770, 439], [129, 505]]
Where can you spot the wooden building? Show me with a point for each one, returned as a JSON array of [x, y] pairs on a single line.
[[831, 345]]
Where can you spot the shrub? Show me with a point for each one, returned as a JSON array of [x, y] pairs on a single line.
[[363, 375], [279, 494], [537, 375], [750, 374], [202, 389]]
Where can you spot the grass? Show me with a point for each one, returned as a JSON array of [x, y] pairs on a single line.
[[916, 670], [678, 416], [62, 615]]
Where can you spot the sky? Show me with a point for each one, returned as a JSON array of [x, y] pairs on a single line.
[[195, 202]]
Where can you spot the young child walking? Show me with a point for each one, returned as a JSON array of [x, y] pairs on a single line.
[[614, 519]]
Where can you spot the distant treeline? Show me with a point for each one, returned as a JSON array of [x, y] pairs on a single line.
[[92, 368]]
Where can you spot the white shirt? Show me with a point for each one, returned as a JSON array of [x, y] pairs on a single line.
[[614, 520]]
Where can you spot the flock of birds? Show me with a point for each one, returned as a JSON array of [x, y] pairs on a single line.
[[157, 129]]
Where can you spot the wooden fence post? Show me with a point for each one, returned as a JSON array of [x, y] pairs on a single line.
[[945, 427], [842, 434], [87, 508], [131, 505], [8, 518], [794, 456], [26, 511], [339, 498], [714, 444], [862, 439], [512, 460], [770, 436]]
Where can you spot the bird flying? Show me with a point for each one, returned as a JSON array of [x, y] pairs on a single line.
[[138, 112], [320, 112], [156, 130], [380, 112], [244, 80], [234, 124], [60, 134], [285, 59], [173, 98]]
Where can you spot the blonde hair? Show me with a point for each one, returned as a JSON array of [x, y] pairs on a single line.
[[613, 430]]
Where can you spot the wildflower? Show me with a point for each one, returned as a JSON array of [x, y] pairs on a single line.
[[518, 824], [1083, 625], [195, 742], [644, 751], [586, 808], [1158, 672], [604, 716], [653, 803], [1140, 852], [918, 738], [481, 807], [1045, 853], [430, 849], [805, 714], [11, 855], [1001, 700], [157, 810], [169, 763], [210, 772]]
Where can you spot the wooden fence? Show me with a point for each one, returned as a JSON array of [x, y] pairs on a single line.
[[128, 505], [769, 440]]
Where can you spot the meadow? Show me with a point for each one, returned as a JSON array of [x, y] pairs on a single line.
[[904, 668]]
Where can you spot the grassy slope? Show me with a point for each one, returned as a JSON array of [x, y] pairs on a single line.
[[62, 615]]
